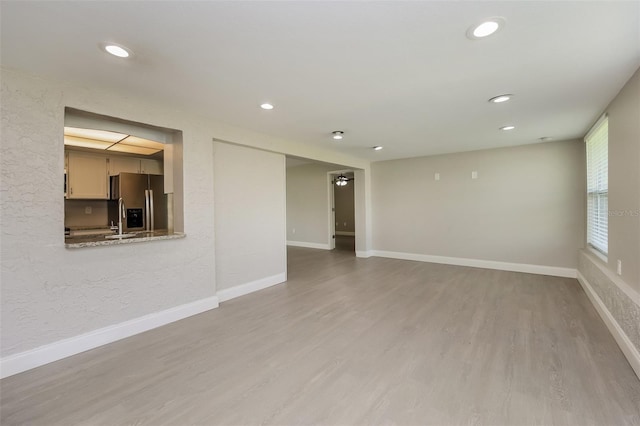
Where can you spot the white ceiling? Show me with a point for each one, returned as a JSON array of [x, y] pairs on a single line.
[[398, 74]]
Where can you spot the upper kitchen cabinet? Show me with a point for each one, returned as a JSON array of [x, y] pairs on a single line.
[[150, 166], [87, 176], [119, 165]]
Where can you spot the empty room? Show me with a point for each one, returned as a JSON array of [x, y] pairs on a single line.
[[314, 212]]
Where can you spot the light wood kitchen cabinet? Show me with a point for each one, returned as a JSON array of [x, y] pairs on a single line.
[[119, 165], [151, 167], [87, 176]]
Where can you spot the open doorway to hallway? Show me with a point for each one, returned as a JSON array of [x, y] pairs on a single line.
[[342, 186], [311, 199]]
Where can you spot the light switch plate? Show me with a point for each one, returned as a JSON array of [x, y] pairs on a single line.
[[474, 175], [436, 176]]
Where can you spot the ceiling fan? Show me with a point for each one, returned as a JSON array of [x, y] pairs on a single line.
[[342, 180]]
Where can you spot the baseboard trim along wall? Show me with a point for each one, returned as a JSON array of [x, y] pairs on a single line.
[[364, 254], [627, 347], [478, 263], [23, 361], [250, 287], [308, 245]]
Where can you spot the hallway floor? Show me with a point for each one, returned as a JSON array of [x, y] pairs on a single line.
[[346, 243]]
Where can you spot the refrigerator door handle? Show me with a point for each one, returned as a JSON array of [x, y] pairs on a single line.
[[153, 225], [147, 208]]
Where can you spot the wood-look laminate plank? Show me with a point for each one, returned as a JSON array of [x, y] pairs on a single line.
[[353, 341]]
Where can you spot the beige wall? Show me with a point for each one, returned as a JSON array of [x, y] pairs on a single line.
[[617, 296], [250, 215], [526, 206], [308, 203], [343, 196], [624, 182]]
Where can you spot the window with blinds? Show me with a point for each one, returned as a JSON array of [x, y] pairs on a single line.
[[597, 141]]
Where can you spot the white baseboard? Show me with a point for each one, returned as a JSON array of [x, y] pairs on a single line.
[[629, 350], [364, 253], [308, 245], [23, 361], [478, 263], [346, 233], [242, 289]]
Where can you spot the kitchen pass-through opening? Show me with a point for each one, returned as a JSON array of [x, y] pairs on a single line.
[[122, 179]]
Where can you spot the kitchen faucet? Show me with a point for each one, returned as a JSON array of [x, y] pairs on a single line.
[[122, 214]]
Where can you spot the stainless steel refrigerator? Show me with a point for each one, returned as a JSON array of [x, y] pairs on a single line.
[[144, 200]]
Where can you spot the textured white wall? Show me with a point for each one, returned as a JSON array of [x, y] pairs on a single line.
[[527, 205], [49, 292], [250, 214]]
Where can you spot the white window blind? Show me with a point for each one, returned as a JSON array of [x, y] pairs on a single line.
[[597, 141]]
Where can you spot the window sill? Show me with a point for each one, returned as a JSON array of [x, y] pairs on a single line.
[[598, 254]]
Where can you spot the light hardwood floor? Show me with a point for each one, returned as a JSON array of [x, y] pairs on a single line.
[[354, 341]]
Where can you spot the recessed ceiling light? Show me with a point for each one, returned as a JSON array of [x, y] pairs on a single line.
[[507, 127], [115, 50], [266, 106], [337, 135], [500, 98], [377, 148], [487, 27]]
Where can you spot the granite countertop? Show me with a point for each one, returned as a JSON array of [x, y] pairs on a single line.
[[101, 240]]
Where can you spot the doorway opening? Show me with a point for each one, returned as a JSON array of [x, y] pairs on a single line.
[[310, 202], [342, 210]]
